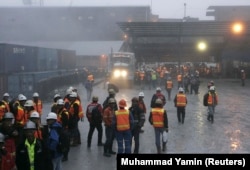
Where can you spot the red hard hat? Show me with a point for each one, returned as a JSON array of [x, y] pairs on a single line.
[[122, 103]]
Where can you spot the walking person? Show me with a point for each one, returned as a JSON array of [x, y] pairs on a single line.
[[180, 102], [159, 120], [142, 106], [158, 95], [108, 115], [89, 89], [169, 87], [210, 100], [94, 115], [123, 122], [139, 119], [243, 77]]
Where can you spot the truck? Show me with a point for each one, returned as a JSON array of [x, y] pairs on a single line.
[[121, 69]]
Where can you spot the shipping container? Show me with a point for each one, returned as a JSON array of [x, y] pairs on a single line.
[[47, 59], [3, 84], [66, 59]]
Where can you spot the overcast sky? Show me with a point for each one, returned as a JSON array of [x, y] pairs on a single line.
[[163, 8]]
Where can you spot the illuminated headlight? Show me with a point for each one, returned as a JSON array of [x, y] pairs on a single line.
[[120, 73], [124, 73]]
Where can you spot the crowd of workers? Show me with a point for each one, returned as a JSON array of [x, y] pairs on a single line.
[[27, 144]]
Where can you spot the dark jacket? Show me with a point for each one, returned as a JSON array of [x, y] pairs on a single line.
[[139, 116], [22, 157], [53, 140]]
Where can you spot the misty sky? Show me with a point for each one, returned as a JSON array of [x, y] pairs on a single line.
[[163, 8]]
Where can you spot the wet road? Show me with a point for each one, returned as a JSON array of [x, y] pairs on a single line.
[[228, 134]]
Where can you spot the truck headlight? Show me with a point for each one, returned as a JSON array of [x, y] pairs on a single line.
[[117, 73], [124, 73]]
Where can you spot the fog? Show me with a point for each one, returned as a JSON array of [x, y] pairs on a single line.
[[163, 8]]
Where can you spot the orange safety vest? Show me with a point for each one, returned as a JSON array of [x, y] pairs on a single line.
[[210, 100], [122, 120], [80, 113], [3, 109], [38, 107], [21, 116], [162, 74], [59, 115], [169, 84], [179, 77], [181, 100], [157, 117]]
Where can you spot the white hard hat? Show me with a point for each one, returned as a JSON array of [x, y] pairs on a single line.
[[158, 89], [181, 89], [141, 94], [242, 70], [35, 94], [60, 102], [68, 91], [29, 103], [73, 94], [8, 115], [2, 137], [52, 115], [21, 97], [6, 95], [35, 115], [29, 125], [57, 95], [212, 88]]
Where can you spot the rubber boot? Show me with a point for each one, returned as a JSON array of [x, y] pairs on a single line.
[[164, 146], [158, 150], [212, 118]]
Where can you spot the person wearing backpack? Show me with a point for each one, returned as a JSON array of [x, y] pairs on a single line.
[[94, 116], [158, 95]]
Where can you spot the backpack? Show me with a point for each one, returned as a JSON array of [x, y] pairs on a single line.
[[96, 115], [205, 98]]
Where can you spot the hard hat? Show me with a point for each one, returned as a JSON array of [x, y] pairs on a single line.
[[29, 103], [158, 101], [71, 88], [21, 97], [68, 91], [158, 89], [212, 88], [8, 115], [94, 98], [60, 102], [141, 94], [111, 91], [135, 99], [52, 115], [34, 115], [181, 89], [29, 125], [73, 94], [122, 103], [35, 94], [212, 82], [2, 137], [111, 100], [242, 70], [57, 95], [6, 95]]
